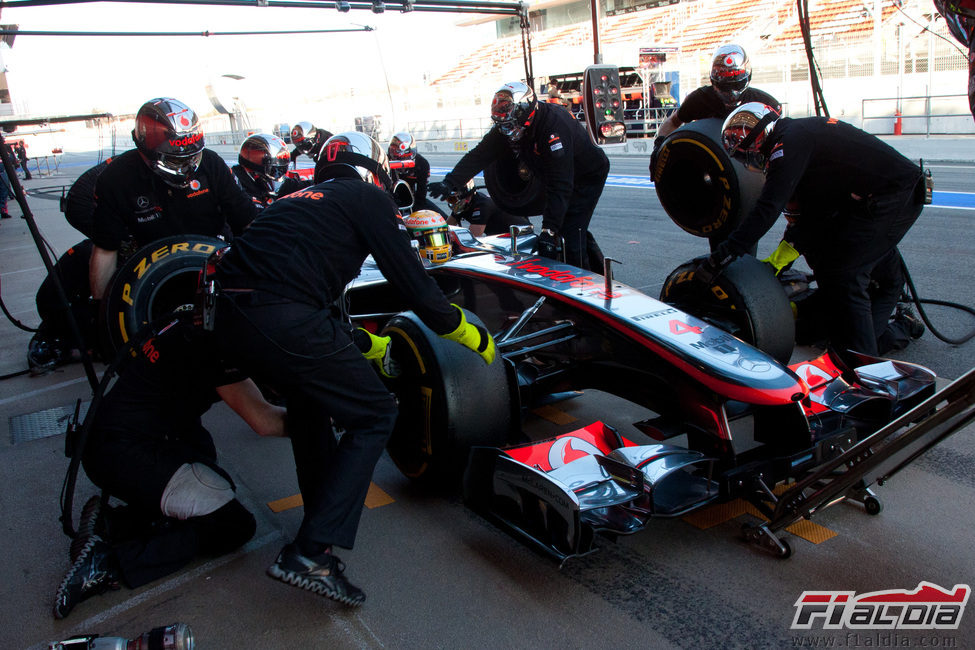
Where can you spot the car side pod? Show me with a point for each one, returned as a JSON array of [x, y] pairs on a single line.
[[558, 494], [873, 460]]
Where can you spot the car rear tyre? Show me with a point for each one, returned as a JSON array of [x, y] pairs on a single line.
[[515, 190]]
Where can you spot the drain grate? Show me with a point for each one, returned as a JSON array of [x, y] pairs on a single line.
[[43, 424]]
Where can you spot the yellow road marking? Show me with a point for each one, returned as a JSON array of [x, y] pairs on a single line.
[[375, 498]]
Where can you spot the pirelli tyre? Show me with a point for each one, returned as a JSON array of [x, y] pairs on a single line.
[[746, 300], [157, 279], [514, 188], [449, 401], [701, 188]]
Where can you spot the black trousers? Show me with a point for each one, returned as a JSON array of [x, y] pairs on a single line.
[[580, 246], [136, 470], [72, 270], [306, 355], [858, 268]]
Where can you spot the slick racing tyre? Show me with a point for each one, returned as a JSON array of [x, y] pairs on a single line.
[[157, 279], [701, 188], [449, 401], [514, 189], [746, 300]]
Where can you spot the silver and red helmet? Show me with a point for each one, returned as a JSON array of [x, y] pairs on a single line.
[[402, 147], [730, 72], [513, 108], [355, 155], [167, 133], [308, 139], [265, 154], [745, 131]]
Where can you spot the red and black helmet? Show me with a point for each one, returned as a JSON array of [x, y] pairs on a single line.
[[167, 132], [265, 154]]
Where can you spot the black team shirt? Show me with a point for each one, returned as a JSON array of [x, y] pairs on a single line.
[[309, 245], [132, 200]]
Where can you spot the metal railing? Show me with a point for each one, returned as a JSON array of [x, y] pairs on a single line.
[[921, 107]]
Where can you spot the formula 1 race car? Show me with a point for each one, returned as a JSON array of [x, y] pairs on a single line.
[[729, 420]]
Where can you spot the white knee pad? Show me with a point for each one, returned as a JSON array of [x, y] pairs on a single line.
[[195, 490]]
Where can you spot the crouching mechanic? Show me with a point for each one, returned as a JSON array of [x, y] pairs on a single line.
[[856, 197], [277, 316], [148, 447], [554, 146], [484, 216]]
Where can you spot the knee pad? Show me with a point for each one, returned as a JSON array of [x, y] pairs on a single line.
[[194, 490]]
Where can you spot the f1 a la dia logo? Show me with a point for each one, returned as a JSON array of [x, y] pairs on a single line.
[[929, 607]]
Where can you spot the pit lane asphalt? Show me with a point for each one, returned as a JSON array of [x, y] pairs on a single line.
[[439, 576]]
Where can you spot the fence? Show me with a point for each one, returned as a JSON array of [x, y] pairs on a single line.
[[895, 114]]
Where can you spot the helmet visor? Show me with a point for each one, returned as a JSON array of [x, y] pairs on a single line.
[[177, 169]]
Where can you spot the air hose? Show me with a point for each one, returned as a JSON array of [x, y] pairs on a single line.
[[930, 301]]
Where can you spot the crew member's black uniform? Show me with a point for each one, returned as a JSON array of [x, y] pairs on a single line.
[[417, 176], [258, 189], [147, 427], [132, 200], [79, 204], [573, 170], [706, 102], [857, 198], [482, 211], [275, 317]]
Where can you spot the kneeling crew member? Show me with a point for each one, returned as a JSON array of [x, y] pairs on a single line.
[[277, 317], [148, 447], [262, 162], [857, 197], [484, 216]]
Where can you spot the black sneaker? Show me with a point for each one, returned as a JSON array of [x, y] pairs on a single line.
[[43, 355], [93, 573], [90, 523], [914, 325], [322, 574]]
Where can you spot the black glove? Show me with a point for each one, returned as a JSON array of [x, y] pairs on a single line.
[[710, 268], [548, 244], [657, 145], [441, 190]]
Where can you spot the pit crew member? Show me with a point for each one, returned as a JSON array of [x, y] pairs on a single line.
[[483, 215], [277, 316], [148, 447], [731, 72], [857, 197], [555, 147], [168, 185], [402, 148], [262, 162]]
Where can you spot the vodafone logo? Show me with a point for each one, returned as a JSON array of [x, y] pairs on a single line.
[[183, 120], [194, 184], [188, 140]]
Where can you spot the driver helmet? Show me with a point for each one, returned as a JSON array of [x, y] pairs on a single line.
[[730, 73], [513, 109], [355, 155], [429, 229], [461, 200], [266, 155], [745, 132], [402, 147], [167, 133]]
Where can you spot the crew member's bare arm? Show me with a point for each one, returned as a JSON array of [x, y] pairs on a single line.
[[100, 270], [246, 400], [669, 126]]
